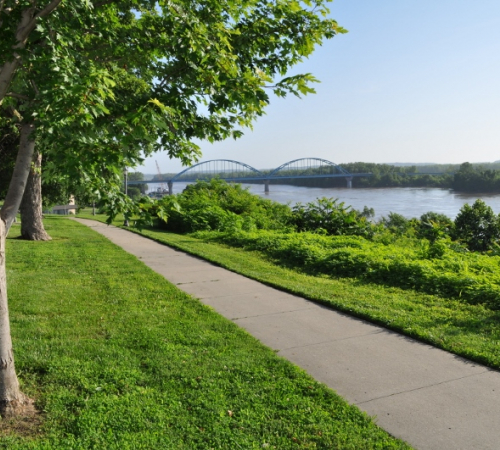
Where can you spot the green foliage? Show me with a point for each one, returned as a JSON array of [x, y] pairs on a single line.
[[429, 267], [398, 224], [218, 205], [367, 212], [331, 217], [435, 249], [105, 83], [387, 175], [137, 176], [433, 226], [477, 226], [134, 192]]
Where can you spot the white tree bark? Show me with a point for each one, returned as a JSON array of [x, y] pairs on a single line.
[[12, 400], [11, 397]]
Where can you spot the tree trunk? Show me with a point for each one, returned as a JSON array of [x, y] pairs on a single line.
[[31, 206], [19, 176], [12, 400]]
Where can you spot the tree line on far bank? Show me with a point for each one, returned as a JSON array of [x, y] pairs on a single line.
[[466, 177]]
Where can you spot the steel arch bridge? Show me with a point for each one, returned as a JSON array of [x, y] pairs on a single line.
[[230, 170], [226, 169], [307, 168]]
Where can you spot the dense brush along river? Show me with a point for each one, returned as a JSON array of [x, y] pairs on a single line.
[[410, 202]]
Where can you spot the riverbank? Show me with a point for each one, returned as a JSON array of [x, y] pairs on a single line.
[[117, 357], [409, 202]]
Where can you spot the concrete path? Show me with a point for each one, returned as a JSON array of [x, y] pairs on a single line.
[[428, 397]]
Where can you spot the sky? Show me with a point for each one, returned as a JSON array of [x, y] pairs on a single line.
[[412, 81]]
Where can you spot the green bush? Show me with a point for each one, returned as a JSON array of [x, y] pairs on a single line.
[[330, 217], [398, 224], [218, 205], [477, 226], [433, 226], [430, 267]]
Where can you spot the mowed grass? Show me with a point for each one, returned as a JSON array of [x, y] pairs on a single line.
[[118, 358], [471, 331]]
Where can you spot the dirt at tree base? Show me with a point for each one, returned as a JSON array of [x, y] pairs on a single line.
[[20, 418]]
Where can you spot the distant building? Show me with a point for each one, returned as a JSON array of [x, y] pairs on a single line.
[[64, 210]]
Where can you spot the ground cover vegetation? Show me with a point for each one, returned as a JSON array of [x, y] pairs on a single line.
[[389, 271], [118, 358]]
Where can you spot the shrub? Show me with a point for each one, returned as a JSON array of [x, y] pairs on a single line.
[[477, 226], [432, 268], [218, 205], [398, 224], [433, 226], [331, 217]]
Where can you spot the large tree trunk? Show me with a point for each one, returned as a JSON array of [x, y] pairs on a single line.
[[12, 400], [31, 206]]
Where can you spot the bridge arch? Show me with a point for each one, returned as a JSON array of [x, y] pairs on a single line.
[[223, 168], [305, 166]]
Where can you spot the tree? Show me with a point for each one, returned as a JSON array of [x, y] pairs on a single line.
[[396, 223], [433, 226], [96, 82], [477, 226]]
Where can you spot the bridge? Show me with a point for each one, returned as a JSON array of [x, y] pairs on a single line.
[[235, 171]]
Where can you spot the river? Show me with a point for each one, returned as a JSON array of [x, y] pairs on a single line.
[[410, 202]]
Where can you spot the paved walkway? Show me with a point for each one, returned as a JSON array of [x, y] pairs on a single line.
[[428, 397]]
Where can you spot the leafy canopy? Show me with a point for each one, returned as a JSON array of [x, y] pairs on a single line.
[[105, 82]]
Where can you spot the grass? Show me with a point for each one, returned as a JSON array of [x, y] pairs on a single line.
[[118, 358], [471, 331]]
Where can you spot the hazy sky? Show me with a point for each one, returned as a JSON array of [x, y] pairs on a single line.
[[412, 81]]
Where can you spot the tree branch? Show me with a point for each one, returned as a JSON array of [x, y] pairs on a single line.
[[19, 96], [29, 22], [35, 87], [26, 25]]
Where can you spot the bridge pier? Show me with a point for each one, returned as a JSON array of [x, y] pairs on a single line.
[[170, 188], [266, 186], [349, 182]]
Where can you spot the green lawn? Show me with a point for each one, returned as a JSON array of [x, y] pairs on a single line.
[[471, 331], [117, 357]]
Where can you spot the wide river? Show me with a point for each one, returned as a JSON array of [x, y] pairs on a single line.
[[410, 202]]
